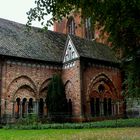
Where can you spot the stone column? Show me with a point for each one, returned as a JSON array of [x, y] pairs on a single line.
[[118, 110], [26, 108], [112, 108]]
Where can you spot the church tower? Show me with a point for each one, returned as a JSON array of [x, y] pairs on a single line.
[[78, 26]]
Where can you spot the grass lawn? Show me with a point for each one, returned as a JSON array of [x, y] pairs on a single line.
[[72, 134]]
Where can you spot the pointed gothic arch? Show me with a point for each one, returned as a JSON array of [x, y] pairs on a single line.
[[102, 80], [101, 94], [69, 91], [21, 82], [19, 88], [43, 88]]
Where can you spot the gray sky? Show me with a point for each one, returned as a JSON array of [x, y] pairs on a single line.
[[15, 10]]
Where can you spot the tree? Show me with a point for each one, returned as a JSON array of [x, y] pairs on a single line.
[[120, 18], [56, 98]]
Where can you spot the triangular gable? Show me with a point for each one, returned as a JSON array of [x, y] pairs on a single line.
[[70, 52]]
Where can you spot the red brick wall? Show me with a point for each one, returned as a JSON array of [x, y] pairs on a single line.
[[17, 75], [62, 26], [99, 35], [71, 77], [29, 79], [90, 71]]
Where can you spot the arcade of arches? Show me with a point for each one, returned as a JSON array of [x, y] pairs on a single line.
[[26, 98], [22, 107]]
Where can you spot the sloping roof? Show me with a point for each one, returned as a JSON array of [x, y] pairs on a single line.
[[36, 44], [46, 46], [92, 49]]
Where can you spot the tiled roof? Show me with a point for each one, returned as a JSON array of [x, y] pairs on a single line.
[[92, 49], [36, 44], [47, 46]]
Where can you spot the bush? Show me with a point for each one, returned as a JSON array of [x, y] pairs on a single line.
[[102, 124]]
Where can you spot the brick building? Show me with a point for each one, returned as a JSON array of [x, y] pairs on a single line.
[[28, 60], [81, 27]]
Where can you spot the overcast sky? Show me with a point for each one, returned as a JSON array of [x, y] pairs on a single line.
[[15, 10]]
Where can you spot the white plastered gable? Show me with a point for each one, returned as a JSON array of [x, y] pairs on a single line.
[[70, 52]]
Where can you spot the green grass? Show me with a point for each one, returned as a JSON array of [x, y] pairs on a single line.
[[132, 133]]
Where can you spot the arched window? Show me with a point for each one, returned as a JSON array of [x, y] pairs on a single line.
[[30, 106], [71, 26], [88, 29], [41, 107], [24, 107], [17, 113]]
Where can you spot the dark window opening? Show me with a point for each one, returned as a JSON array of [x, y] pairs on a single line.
[[92, 106], [24, 107], [105, 106], [109, 107], [97, 106], [70, 107], [17, 113], [30, 106], [101, 88], [41, 107]]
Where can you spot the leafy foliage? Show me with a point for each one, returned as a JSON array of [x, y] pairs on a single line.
[[120, 18], [56, 98], [132, 80]]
